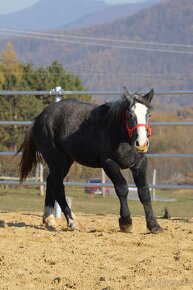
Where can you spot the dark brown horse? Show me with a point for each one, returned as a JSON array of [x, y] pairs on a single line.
[[111, 136]]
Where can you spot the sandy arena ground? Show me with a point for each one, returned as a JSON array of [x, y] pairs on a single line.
[[97, 257]]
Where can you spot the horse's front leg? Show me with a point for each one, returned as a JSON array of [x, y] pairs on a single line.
[[140, 179], [113, 171]]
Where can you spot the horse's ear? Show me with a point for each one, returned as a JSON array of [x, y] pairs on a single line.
[[128, 95], [148, 97], [126, 92]]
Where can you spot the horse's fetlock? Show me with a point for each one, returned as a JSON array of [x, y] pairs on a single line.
[[125, 220], [154, 228], [125, 224]]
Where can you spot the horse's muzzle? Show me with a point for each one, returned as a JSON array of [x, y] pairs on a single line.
[[142, 148]]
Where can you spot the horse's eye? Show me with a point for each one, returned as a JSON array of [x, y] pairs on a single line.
[[133, 117], [130, 115]]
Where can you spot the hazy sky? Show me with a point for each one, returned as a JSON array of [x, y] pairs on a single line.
[[8, 6]]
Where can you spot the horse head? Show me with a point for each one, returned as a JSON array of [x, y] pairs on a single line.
[[137, 119]]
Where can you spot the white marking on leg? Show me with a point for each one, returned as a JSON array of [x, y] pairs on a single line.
[[71, 224], [48, 217], [69, 202], [50, 220], [57, 210]]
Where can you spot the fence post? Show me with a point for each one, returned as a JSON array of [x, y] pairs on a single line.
[[57, 209], [41, 179], [103, 181], [154, 183]]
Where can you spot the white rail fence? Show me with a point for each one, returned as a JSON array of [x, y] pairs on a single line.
[[59, 93]]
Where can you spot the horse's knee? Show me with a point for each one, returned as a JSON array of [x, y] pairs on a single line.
[[122, 190], [144, 194]]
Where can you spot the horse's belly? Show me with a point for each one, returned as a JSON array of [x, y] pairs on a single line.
[[83, 152]]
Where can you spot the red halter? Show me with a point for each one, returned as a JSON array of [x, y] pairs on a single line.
[[130, 131]]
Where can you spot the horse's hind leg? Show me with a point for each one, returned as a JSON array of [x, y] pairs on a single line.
[[56, 191], [48, 217]]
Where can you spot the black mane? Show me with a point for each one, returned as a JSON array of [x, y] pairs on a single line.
[[112, 113], [116, 111]]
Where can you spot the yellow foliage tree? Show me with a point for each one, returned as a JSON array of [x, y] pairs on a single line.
[[10, 67]]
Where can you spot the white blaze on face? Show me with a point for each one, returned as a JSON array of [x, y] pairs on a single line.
[[140, 111]]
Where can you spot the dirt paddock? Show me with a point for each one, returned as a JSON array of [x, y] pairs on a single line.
[[97, 257]]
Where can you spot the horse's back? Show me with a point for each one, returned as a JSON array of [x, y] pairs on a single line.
[[58, 121], [64, 117]]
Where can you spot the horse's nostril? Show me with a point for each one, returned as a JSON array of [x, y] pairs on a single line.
[[138, 145]]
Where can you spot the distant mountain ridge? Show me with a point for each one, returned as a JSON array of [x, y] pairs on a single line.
[[109, 14], [49, 14]]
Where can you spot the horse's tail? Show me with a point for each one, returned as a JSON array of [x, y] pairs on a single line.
[[30, 155]]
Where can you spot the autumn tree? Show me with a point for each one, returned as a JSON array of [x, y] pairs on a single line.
[[17, 76]]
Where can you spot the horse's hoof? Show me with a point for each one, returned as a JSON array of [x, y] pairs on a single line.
[[125, 227], [49, 221], [156, 229], [71, 224], [72, 227]]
